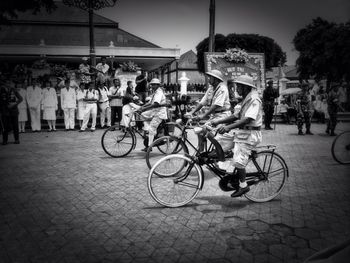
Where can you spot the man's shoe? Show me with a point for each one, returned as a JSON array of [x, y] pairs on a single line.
[[300, 133], [309, 133], [81, 130], [240, 191], [92, 130], [16, 142], [66, 130], [333, 134], [327, 131]]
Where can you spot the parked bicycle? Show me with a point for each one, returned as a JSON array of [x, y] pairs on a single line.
[[341, 148], [118, 141], [176, 179]]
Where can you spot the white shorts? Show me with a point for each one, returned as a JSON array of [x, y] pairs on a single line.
[[245, 142]]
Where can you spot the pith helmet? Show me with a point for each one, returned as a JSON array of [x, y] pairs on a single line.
[[245, 80], [215, 73], [155, 81]]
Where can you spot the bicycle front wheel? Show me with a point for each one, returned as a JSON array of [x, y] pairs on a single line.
[[341, 148], [266, 176], [118, 142], [164, 146], [177, 181]]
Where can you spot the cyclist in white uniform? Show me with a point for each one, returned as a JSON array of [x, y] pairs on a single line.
[[248, 135]]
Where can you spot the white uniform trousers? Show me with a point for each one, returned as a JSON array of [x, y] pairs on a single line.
[[90, 108], [105, 112], [35, 118], [69, 118]]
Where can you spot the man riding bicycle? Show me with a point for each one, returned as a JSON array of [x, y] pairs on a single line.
[[217, 98], [248, 122], [154, 112]]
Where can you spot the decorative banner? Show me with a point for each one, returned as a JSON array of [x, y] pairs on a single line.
[[255, 66]]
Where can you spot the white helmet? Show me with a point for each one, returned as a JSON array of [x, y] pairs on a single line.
[[215, 73], [246, 80], [155, 81]]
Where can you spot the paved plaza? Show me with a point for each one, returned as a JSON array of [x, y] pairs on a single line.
[[62, 199]]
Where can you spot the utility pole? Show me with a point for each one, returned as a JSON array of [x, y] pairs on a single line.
[[91, 35], [212, 26]]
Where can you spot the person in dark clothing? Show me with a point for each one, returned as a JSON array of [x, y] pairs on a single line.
[[9, 99], [303, 106], [269, 96], [333, 106], [141, 86]]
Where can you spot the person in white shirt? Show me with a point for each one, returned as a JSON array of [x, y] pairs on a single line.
[[115, 96], [68, 104], [103, 104], [102, 68], [49, 105], [91, 97], [33, 97], [81, 103], [248, 135], [154, 112], [217, 99], [22, 108]]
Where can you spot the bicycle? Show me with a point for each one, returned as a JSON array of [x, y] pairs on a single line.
[[175, 180], [341, 148], [118, 141], [174, 144]]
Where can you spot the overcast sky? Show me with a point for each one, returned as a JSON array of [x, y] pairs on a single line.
[[184, 23]]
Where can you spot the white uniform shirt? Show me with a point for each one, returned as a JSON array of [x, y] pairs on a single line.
[[34, 96], [23, 103], [68, 98], [49, 98], [252, 108], [160, 98], [218, 96], [104, 68], [91, 95], [80, 94], [104, 94]]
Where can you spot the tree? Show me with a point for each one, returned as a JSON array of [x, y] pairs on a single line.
[[9, 9], [324, 49], [253, 43]]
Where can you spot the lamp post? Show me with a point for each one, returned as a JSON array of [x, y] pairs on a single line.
[[90, 6]]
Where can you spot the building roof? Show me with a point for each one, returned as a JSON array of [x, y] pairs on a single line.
[[290, 72], [66, 26], [188, 60]]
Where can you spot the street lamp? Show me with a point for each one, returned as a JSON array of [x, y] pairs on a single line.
[[90, 6]]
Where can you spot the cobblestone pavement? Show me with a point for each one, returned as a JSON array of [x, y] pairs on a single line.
[[62, 199]]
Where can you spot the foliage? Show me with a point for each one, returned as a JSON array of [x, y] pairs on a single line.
[[129, 66], [9, 9], [252, 43], [324, 50], [236, 55]]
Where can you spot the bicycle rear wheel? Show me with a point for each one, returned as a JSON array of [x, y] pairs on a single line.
[[266, 176], [118, 142], [177, 181], [168, 129], [164, 146], [341, 148]]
